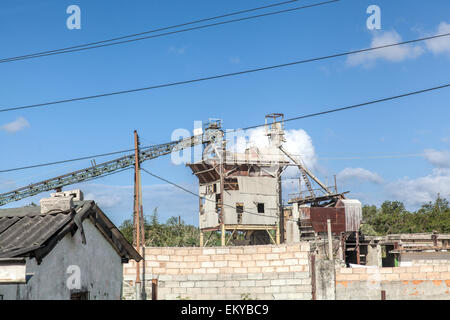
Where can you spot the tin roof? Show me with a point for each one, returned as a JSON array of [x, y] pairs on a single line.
[[25, 232]]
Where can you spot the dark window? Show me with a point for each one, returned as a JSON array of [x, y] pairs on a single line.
[[1, 297], [215, 188], [239, 211], [82, 295], [260, 207]]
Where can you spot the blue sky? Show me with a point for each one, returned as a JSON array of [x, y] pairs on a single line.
[[411, 126]]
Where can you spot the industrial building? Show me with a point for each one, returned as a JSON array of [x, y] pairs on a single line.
[[241, 192]]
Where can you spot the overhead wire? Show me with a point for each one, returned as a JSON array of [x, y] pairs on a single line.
[[249, 127], [225, 75], [109, 42], [200, 197]]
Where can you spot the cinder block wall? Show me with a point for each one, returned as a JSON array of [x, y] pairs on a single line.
[[421, 282], [226, 273]]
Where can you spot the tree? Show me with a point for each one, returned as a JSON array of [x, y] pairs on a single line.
[[392, 217]]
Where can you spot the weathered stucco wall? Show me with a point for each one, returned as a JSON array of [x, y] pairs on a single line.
[[399, 283], [99, 263], [229, 273]]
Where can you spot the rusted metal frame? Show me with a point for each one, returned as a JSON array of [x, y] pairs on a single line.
[[205, 171]]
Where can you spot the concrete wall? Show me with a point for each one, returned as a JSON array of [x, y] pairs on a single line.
[[400, 283], [100, 266], [424, 258], [325, 279], [229, 273]]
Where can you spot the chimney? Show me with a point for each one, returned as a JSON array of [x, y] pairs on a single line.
[[60, 201]]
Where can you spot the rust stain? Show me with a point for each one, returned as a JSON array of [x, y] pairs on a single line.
[[447, 282], [437, 282], [417, 281], [344, 283], [414, 293], [405, 281]]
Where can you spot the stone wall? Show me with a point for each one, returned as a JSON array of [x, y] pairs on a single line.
[[226, 273], [420, 282]]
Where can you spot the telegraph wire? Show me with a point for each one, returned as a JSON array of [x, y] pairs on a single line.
[[250, 127], [196, 195], [73, 160], [225, 75], [104, 43], [359, 105]]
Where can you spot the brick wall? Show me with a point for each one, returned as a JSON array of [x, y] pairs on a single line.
[[420, 282], [256, 272]]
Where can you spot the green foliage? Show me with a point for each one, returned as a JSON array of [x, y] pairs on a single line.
[[169, 234], [392, 217]]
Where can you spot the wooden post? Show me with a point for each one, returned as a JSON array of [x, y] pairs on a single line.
[[201, 238], [383, 294], [358, 258], [330, 241], [137, 213], [277, 235], [313, 276], [154, 289], [222, 227], [222, 186]]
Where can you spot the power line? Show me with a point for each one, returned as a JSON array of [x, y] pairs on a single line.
[[250, 127], [70, 160], [359, 105], [104, 43], [196, 195], [172, 84]]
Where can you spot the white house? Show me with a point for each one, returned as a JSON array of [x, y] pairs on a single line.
[[65, 249]]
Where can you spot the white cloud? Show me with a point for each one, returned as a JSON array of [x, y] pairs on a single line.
[[392, 54], [417, 191], [15, 126], [440, 159], [440, 45], [359, 174], [298, 143]]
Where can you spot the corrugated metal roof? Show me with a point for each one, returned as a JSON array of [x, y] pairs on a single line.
[[19, 233], [24, 231]]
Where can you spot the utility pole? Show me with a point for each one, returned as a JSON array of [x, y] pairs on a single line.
[[222, 185], [138, 218]]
